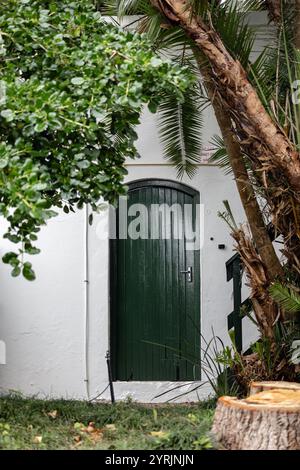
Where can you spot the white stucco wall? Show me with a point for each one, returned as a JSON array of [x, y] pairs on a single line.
[[43, 323]]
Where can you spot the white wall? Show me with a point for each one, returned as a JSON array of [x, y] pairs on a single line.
[[43, 323]]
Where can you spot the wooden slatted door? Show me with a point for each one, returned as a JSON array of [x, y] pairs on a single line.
[[155, 304]]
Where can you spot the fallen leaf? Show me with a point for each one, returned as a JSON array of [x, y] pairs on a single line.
[[89, 431], [96, 436], [160, 434], [79, 426], [78, 442], [52, 414], [90, 428], [37, 439], [193, 418], [110, 427]]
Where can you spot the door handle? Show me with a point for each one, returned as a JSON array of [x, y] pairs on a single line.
[[189, 273]]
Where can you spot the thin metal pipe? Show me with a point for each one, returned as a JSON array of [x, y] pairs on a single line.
[[111, 385], [86, 299]]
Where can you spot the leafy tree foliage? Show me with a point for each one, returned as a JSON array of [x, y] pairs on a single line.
[[72, 91]]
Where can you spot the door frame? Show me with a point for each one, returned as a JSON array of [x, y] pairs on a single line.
[[113, 260]]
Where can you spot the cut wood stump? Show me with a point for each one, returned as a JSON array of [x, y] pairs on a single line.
[[269, 419], [257, 387]]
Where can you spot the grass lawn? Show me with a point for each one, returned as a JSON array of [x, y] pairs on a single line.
[[61, 424]]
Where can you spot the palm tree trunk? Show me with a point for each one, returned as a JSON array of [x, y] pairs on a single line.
[[246, 109], [251, 207], [274, 158], [274, 10], [262, 266]]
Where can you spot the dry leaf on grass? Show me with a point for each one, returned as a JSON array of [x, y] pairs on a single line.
[[110, 427], [37, 439], [78, 442], [159, 434], [52, 414], [90, 431]]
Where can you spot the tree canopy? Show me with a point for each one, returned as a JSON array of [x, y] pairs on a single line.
[[72, 91]]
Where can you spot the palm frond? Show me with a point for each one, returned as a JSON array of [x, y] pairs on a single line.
[[232, 24], [230, 18], [220, 156], [121, 8], [180, 128], [286, 297], [151, 24], [182, 139], [228, 217], [273, 72]]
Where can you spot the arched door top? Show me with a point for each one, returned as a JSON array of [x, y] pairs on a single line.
[[162, 183]]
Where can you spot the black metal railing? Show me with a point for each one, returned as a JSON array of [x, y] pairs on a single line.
[[241, 309], [235, 318]]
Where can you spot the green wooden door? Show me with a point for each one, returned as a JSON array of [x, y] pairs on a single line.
[[155, 317]]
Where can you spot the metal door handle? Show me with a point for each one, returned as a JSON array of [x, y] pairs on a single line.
[[189, 273]]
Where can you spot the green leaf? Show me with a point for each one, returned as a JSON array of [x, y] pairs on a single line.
[[33, 250], [13, 238], [8, 257], [152, 106], [74, 92], [27, 272], [156, 62], [77, 80], [40, 186], [16, 271], [83, 164], [41, 126], [7, 114], [3, 163]]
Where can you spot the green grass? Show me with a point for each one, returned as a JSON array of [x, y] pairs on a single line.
[[62, 424]]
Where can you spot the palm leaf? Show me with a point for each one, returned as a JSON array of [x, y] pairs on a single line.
[[181, 123], [220, 156], [231, 23], [121, 8], [286, 297], [228, 217], [180, 128]]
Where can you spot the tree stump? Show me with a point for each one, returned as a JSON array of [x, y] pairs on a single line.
[[257, 387], [267, 420]]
